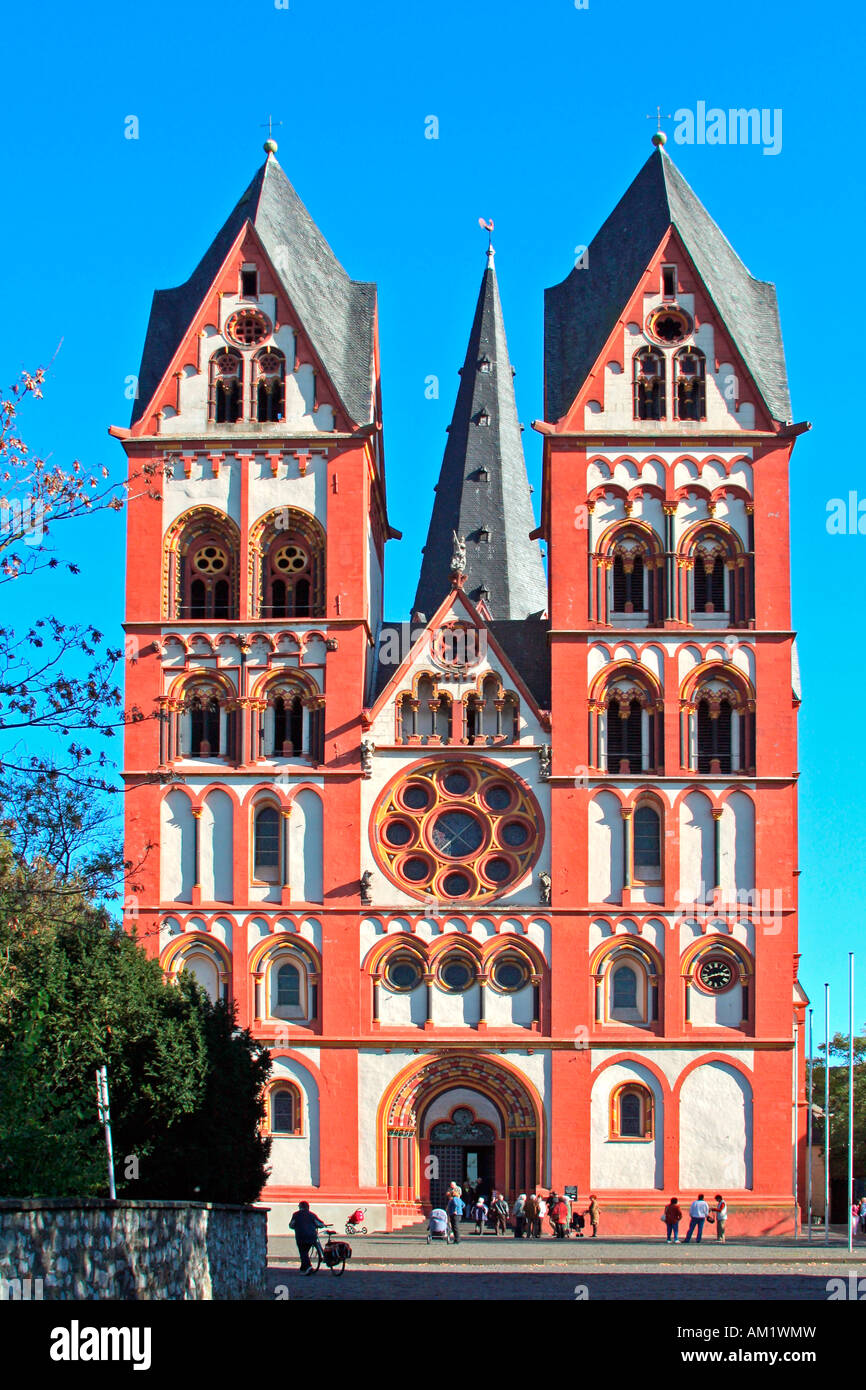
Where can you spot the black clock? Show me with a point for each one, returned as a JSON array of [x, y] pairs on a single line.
[[716, 974]]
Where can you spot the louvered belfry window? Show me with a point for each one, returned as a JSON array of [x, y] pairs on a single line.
[[710, 588], [714, 736], [628, 585], [624, 736]]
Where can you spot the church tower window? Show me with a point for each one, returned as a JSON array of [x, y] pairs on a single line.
[[690, 387], [225, 395], [649, 385]]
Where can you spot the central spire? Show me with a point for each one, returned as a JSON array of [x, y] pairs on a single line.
[[483, 497]]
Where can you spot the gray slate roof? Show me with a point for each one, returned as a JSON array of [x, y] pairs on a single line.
[[337, 314], [580, 313], [508, 565]]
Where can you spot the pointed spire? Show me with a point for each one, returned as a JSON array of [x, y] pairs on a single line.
[[482, 497]]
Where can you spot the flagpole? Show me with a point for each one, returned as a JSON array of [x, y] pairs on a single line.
[[809, 1135], [850, 1100], [826, 1114]]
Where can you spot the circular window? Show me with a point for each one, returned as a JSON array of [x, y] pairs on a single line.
[[403, 973], [497, 796], [716, 974], [510, 974], [457, 834], [456, 973], [514, 833], [456, 885], [290, 558], [247, 327], [497, 870], [210, 559], [416, 797], [669, 325], [467, 829], [417, 870], [397, 832]]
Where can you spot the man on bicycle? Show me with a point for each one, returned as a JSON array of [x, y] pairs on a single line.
[[306, 1226]]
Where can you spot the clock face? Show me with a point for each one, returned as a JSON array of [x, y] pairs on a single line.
[[716, 974]]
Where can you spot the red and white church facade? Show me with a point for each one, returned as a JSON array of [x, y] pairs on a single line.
[[508, 886]]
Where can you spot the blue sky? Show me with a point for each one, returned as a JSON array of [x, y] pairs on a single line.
[[541, 112]]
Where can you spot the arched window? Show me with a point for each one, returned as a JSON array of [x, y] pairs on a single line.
[[624, 735], [204, 736], [201, 557], [267, 856], [631, 1112], [647, 847], [290, 581], [690, 386], [624, 993], [628, 584], [714, 735], [709, 584], [288, 986], [269, 386], [225, 394], [288, 736], [285, 1108], [649, 385]]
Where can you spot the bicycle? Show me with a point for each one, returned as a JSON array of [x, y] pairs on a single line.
[[335, 1253]]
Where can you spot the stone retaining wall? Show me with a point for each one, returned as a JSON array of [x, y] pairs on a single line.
[[95, 1249]]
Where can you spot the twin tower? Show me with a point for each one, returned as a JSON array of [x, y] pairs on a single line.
[[507, 886]]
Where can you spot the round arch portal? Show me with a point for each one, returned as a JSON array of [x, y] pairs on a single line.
[[405, 1151]]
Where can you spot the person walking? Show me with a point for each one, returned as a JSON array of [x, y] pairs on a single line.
[[455, 1211], [593, 1213], [672, 1218], [530, 1212], [499, 1212], [479, 1211], [559, 1216], [519, 1217], [306, 1226], [863, 1215], [720, 1211], [698, 1213]]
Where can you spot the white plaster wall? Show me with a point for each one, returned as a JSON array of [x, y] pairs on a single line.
[[483, 1109], [177, 848], [738, 844], [671, 1062], [205, 971], [716, 1129], [605, 849], [216, 848], [696, 848], [454, 1010], [402, 1008], [716, 1010], [201, 489], [289, 488], [625, 1162], [306, 841], [502, 1009]]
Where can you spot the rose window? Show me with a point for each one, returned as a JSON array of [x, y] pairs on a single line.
[[210, 560], [248, 327], [289, 559], [451, 831]]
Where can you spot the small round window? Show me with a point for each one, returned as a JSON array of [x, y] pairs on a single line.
[[403, 973], [417, 870], [415, 796], [397, 832], [510, 974], [669, 326], [290, 558], [210, 560], [456, 783], [248, 327], [456, 973]]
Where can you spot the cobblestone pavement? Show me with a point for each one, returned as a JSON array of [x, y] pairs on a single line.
[[463, 1282]]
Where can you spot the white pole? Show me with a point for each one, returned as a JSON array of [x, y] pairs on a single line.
[[850, 1100], [105, 1120], [826, 1114], [809, 1135]]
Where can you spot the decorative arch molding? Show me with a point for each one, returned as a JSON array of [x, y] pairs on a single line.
[[184, 947], [182, 536], [626, 720], [717, 720], [648, 968], [707, 1059], [715, 568], [628, 570], [714, 942], [427, 1078], [620, 1058]]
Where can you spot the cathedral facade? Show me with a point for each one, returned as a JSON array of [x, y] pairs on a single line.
[[508, 885]]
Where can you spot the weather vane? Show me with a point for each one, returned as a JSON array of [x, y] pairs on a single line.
[[659, 138], [270, 143], [488, 228]]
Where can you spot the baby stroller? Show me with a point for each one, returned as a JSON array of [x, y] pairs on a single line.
[[439, 1227], [353, 1225], [578, 1221]]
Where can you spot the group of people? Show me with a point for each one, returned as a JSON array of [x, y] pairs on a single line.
[[700, 1213], [858, 1216], [527, 1218]]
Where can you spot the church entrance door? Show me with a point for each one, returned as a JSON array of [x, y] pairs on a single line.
[[461, 1150]]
